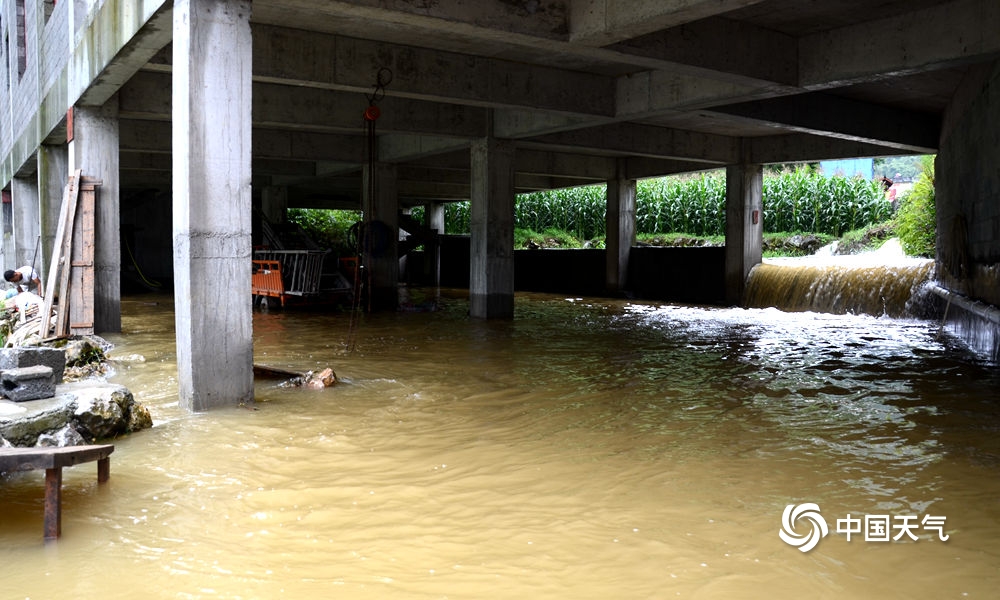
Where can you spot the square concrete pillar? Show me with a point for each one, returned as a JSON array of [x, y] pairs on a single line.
[[274, 203], [744, 227], [24, 203], [380, 241], [434, 221], [53, 173], [491, 217], [212, 202], [620, 226], [94, 150]]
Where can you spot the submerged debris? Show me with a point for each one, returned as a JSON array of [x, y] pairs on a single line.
[[309, 379]]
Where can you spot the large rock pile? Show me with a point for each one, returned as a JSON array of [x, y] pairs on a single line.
[[39, 408]]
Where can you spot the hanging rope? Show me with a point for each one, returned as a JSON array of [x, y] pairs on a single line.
[[362, 275]]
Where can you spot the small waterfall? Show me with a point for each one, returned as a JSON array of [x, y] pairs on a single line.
[[876, 283]]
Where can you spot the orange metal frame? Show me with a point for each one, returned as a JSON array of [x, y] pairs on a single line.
[[265, 279]]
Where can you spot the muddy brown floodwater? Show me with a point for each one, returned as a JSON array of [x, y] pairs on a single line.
[[589, 448]]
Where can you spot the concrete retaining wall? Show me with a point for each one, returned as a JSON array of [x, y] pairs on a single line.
[[693, 275], [968, 189]]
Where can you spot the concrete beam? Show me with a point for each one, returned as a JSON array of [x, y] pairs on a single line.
[[797, 147], [296, 57], [306, 145], [560, 164], [123, 36], [941, 36], [537, 18], [655, 93], [147, 96], [642, 167], [603, 22], [750, 55], [514, 123], [844, 118], [642, 140], [407, 147], [298, 198]]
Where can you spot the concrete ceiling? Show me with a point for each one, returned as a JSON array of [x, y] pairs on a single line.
[[587, 88]]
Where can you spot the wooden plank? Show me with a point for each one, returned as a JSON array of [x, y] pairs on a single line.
[[27, 459], [79, 318], [64, 272], [69, 197]]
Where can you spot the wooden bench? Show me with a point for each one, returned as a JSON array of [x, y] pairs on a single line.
[[53, 460]]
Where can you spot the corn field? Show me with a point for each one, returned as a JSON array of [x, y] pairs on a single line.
[[799, 201]]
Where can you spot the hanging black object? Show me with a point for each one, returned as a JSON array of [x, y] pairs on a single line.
[[371, 237]]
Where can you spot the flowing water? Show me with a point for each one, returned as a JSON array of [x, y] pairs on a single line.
[[884, 282], [589, 448]]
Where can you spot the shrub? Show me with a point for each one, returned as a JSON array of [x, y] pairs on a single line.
[[916, 219], [328, 228]]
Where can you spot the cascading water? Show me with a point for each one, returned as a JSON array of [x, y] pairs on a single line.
[[884, 282]]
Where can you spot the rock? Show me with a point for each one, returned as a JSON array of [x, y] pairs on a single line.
[[94, 410], [139, 418], [41, 416], [30, 356], [806, 244], [67, 436], [85, 349], [323, 379], [103, 414], [28, 383]]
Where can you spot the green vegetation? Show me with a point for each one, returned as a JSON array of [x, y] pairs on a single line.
[[690, 210], [328, 228], [794, 201], [916, 218], [805, 201], [908, 167]]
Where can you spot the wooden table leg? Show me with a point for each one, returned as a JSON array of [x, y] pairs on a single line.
[[103, 469], [53, 501]]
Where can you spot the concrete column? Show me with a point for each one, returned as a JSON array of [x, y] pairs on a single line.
[[53, 174], [274, 203], [94, 150], [7, 215], [491, 276], [744, 226], [433, 220], [380, 244], [212, 202], [620, 226], [24, 192]]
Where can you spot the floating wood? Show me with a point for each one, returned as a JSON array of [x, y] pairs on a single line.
[[266, 372]]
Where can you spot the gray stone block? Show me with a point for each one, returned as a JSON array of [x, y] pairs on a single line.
[[28, 383], [16, 358]]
